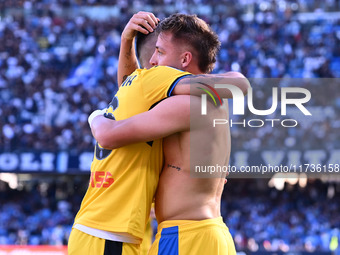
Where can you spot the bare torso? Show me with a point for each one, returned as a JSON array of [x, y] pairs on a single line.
[[180, 195]]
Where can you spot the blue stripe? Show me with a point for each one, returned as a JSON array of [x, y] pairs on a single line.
[[137, 55], [175, 83], [168, 244]]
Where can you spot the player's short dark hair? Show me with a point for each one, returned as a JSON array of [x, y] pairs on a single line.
[[140, 41], [196, 33]]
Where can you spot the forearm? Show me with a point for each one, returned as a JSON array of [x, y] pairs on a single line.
[[168, 117], [112, 134], [100, 127], [237, 79], [199, 84], [144, 22], [127, 62]]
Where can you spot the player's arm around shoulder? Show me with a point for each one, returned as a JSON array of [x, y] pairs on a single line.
[[198, 84], [170, 116]]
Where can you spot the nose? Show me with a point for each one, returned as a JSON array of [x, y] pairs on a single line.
[[153, 60]]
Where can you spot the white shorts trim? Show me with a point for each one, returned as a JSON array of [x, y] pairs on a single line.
[[107, 235]]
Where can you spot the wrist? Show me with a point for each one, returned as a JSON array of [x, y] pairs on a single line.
[[126, 41], [95, 114]]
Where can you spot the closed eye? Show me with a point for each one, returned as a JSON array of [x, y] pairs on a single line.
[[159, 51]]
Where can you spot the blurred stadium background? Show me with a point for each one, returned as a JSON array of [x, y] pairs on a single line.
[[58, 63]]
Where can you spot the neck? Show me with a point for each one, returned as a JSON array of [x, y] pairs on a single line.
[[194, 70]]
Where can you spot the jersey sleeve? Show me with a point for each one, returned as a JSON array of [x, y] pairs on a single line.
[[159, 81]]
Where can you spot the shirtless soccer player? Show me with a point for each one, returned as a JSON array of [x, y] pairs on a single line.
[[188, 209]]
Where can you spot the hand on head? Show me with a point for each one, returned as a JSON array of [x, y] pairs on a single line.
[[144, 22]]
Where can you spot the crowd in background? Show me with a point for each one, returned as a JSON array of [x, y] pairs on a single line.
[[301, 5], [293, 219], [58, 64], [259, 218], [39, 212]]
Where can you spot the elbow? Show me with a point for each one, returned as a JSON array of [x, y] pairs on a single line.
[[108, 146], [101, 132], [245, 86], [106, 143], [244, 82]]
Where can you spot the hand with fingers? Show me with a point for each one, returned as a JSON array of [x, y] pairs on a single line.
[[144, 22]]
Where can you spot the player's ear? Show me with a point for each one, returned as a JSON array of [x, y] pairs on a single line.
[[186, 58]]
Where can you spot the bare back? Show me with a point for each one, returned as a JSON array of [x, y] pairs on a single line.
[[180, 196]]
